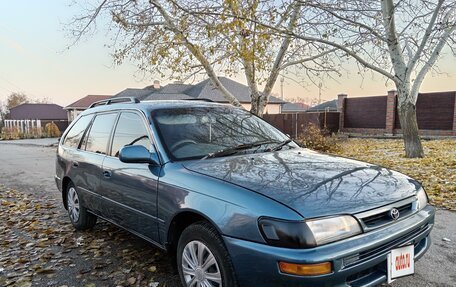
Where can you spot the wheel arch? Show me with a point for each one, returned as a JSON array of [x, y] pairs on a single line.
[[177, 225], [65, 182]]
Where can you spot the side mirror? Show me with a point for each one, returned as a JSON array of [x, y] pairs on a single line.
[[137, 154]]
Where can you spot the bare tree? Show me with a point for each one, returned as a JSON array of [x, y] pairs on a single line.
[[15, 99], [401, 40], [184, 38]]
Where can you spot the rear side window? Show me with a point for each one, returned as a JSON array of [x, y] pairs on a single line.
[[73, 137], [97, 140], [130, 130]]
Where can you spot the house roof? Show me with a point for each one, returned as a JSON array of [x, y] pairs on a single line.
[[201, 90], [326, 106], [207, 90], [204, 90], [174, 88], [294, 107], [85, 102], [170, 96], [140, 94], [38, 112]]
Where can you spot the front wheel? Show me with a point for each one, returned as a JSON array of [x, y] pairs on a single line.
[[202, 258], [79, 216]]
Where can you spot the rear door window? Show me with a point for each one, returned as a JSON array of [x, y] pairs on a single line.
[[97, 140], [73, 137], [130, 130]]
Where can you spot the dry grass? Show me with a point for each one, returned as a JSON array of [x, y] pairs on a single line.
[[436, 171]]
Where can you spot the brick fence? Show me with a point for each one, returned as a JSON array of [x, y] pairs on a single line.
[[436, 114], [294, 124]]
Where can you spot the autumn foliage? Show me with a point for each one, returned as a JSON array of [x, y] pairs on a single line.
[[52, 130], [436, 171], [321, 140]]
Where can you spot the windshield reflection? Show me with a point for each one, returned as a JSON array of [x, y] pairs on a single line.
[[189, 133]]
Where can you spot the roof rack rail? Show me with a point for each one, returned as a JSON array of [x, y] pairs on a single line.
[[200, 99], [115, 101]]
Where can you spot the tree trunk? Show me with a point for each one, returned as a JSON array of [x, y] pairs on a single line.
[[409, 125], [255, 104]]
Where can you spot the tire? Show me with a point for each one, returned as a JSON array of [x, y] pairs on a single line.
[[78, 214], [203, 236]]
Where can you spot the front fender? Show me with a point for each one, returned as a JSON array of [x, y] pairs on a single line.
[[233, 210]]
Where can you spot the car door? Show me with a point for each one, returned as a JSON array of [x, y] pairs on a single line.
[[70, 157], [94, 147], [131, 188]]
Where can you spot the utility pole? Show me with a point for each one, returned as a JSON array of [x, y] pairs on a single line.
[[281, 86], [319, 93]]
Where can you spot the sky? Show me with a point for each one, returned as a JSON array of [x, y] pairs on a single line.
[[35, 60]]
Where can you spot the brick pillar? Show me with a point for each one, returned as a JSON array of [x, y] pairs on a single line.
[[390, 112], [341, 109]]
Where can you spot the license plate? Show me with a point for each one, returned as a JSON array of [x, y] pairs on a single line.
[[401, 262]]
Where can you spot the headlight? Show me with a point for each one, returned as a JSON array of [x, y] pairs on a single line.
[[421, 199], [289, 234], [310, 233], [332, 229]]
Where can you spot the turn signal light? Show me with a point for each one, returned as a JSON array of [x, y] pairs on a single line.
[[305, 269]]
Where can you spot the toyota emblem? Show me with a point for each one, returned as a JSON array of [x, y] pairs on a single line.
[[394, 213]]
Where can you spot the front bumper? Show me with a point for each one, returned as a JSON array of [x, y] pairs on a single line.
[[357, 261], [58, 182]]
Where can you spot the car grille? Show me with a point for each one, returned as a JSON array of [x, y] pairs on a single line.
[[383, 218], [384, 248], [357, 279]]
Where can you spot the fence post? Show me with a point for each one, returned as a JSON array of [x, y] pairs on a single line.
[[341, 109], [390, 112], [454, 115], [296, 125]]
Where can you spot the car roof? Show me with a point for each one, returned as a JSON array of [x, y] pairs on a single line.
[[148, 106]]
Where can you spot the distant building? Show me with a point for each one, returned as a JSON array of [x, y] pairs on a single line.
[[293, 108], [74, 109], [202, 90], [329, 106], [27, 116]]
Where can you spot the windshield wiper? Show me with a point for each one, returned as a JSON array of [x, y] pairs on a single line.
[[280, 145], [235, 149]]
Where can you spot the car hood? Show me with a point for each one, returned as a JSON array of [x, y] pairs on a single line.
[[311, 183]]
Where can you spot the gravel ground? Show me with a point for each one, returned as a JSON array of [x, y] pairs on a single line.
[[32, 142], [40, 248]]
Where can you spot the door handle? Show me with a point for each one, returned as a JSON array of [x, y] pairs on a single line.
[[75, 163], [107, 173]]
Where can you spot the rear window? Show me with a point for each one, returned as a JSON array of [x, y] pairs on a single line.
[[97, 140], [73, 137]]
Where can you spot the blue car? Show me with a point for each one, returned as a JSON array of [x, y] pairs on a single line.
[[234, 201]]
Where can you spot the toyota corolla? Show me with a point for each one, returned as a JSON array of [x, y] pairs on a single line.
[[235, 202]]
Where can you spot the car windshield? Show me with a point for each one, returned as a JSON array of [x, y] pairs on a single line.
[[201, 132]]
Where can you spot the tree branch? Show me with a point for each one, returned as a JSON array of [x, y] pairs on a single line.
[[312, 58], [276, 68], [196, 51], [427, 34], [431, 61], [393, 44]]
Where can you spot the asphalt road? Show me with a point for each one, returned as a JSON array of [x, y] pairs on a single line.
[[30, 168]]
